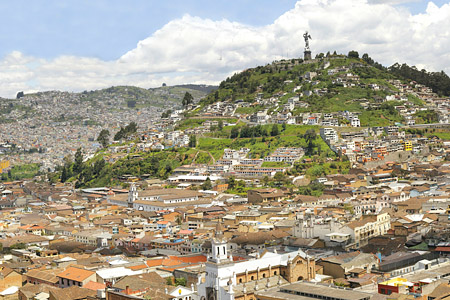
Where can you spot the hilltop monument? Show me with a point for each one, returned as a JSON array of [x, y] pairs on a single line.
[[307, 53]]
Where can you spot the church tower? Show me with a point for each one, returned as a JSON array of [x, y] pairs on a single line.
[[219, 250], [132, 195], [219, 278]]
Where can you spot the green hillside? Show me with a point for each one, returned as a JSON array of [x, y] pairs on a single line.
[[286, 77], [144, 97], [332, 83]]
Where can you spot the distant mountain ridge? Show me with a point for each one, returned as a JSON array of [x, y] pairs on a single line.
[[132, 90], [199, 87]]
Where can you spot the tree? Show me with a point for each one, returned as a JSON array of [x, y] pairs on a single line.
[[20, 95], [367, 59], [119, 134], [18, 246], [64, 175], [231, 182], [180, 281], [98, 166], [274, 131], [103, 138], [169, 280], [207, 185], [280, 178], [234, 132], [125, 132], [131, 128], [220, 125], [310, 135], [78, 164], [283, 127], [353, 54], [187, 99], [166, 114], [192, 141]]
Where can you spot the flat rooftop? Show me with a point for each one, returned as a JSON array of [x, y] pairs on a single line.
[[307, 291], [437, 271]]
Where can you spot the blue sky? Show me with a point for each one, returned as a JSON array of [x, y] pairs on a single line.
[[109, 28], [77, 45]]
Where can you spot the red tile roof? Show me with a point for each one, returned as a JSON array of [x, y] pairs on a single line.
[[442, 249], [75, 274], [92, 285], [190, 259]]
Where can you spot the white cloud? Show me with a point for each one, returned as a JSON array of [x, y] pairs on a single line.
[[195, 50]]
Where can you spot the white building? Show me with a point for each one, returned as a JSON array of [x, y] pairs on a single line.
[[329, 135]]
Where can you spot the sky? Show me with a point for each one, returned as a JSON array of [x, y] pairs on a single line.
[[77, 45]]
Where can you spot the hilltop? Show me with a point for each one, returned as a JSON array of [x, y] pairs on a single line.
[[330, 84]]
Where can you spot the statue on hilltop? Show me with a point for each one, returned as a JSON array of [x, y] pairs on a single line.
[[307, 37], [307, 54]]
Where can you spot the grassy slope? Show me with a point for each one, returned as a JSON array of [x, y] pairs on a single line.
[[271, 79]]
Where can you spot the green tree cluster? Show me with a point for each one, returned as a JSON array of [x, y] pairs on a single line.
[[126, 131], [192, 141], [438, 81], [310, 136], [103, 138], [253, 131], [207, 185], [166, 114], [187, 99], [353, 54]]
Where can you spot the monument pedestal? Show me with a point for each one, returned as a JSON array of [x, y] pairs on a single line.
[[307, 55]]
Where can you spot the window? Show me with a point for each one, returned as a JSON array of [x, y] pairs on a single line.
[[274, 272]]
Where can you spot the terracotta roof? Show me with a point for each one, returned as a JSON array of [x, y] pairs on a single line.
[[442, 249], [72, 293], [31, 290], [5, 271], [30, 227], [362, 222], [154, 262], [48, 276], [305, 198], [441, 290], [138, 267], [176, 260], [75, 274], [190, 259], [92, 285], [185, 231], [257, 238], [141, 282]]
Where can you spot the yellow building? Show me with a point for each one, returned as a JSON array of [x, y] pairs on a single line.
[[4, 164], [407, 145], [395, 285]]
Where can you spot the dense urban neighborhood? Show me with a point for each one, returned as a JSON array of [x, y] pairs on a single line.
[[324, 178]]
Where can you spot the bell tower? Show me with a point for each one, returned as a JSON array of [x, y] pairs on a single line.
[[132, 195], [219, 250]]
